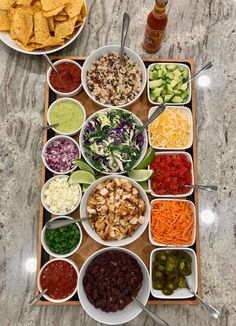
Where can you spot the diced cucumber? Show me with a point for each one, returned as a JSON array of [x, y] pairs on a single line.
[[168, 98], [157, 66], [171, 67], [177, 99], [184, 95], [160, 99], [163, 93], [173, 83], [157, 91], [184, 87], [154, 75], [181, 69], [160, 73], [170, 75], [176, 92], [185, 74], [169, 88], [155, 83], [177, 73]]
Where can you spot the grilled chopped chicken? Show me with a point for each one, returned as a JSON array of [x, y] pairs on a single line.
[[116, 209]]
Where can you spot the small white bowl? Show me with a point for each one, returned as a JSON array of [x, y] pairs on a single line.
[[61, 94], [69, 296], [95, 55], [166, 63], [129, 312], [82, 132], [93, 234], [49, 142], [154, 242], [190, 142], [45, 186], [66, 99], [169, 195], [46, 247], [180, 293]]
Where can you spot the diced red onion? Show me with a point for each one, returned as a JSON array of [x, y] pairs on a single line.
[[59, 155]]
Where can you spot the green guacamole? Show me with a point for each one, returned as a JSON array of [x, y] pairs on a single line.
[[68, 115]]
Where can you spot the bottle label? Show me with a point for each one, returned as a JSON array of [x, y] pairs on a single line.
[[152, 38], [159, 11]]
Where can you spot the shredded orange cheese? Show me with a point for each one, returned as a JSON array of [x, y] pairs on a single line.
[[171, 129]]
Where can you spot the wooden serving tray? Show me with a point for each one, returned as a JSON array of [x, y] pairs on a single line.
[[142, 246]]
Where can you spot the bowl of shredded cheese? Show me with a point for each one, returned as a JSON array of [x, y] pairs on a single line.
[[172, 130]]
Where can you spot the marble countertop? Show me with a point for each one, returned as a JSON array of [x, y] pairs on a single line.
[[204, 30]]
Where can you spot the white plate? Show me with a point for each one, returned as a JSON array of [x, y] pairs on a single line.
[[5, 37], [129, 312], [91, 232], [166, 63], [169, 195], [154, 242], [180, 293], [190, 142]]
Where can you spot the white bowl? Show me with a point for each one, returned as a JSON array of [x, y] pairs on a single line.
[[47, 249], [66, 99], [45, 186], [190, 142], [169, 195], [156, 243], [62, 94], [82, 132], [48, 143], [98, 54], [180, 293], [129, 312], [92, 233], [69, 296], [189, 84]]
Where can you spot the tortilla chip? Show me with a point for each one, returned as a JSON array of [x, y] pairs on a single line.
[[41, 29], [84, 11], [60, 18], [37, 6], [49, 5], [53, 41], [66, 28], [53, 12], [51, 24], [21, 25], [73, 8], [4, 22], [29, 47], [25, 3], [4, 5]]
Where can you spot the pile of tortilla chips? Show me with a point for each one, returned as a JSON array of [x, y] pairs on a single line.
[[41, 24]]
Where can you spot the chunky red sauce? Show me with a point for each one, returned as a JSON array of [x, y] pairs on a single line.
[[171, 174], [67, 79], [60, 278]]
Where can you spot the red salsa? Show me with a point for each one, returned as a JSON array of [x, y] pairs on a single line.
[[171, 173], [60, 278], [67, 79]]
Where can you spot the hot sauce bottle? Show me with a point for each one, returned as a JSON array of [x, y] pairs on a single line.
[[156, 24]]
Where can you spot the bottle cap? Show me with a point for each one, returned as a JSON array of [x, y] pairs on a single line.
[[162, 2]]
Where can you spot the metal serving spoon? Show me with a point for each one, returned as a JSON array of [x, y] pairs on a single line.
[[50, 63], [55, 224], [153, 116], [213, 311], [157, 319], [54, 125], [125, 27], [204, 68], [39, 296], [203, 187]]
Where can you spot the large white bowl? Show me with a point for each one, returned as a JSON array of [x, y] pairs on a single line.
[[69, 296], [82, 132], [52, 253], [180, 293], [129, 312], [92, 233], [98, 54]]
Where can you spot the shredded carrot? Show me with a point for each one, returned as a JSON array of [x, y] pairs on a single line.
[[172, 222]]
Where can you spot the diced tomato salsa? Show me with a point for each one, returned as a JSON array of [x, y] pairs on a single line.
[[171, 173]]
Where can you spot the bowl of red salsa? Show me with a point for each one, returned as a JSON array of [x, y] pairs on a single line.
[[60, 277], [171, 172], [67, 82]]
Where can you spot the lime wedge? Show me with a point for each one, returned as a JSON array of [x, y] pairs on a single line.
[[82, 177], [148, 158], [145, 187], [140, 175], [83, 166], [85, 187]]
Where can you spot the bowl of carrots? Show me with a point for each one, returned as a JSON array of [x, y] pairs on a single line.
[[172, 223]]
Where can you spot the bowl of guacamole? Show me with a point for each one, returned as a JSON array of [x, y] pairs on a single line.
[[68, 115]]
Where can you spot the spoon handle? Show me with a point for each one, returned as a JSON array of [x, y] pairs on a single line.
[[125, 27], [55, 224], [39, 296], [204, 187], [213, 311], [157, 319], [154, 115], [50, 63], [50, 126], [204, 68]]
